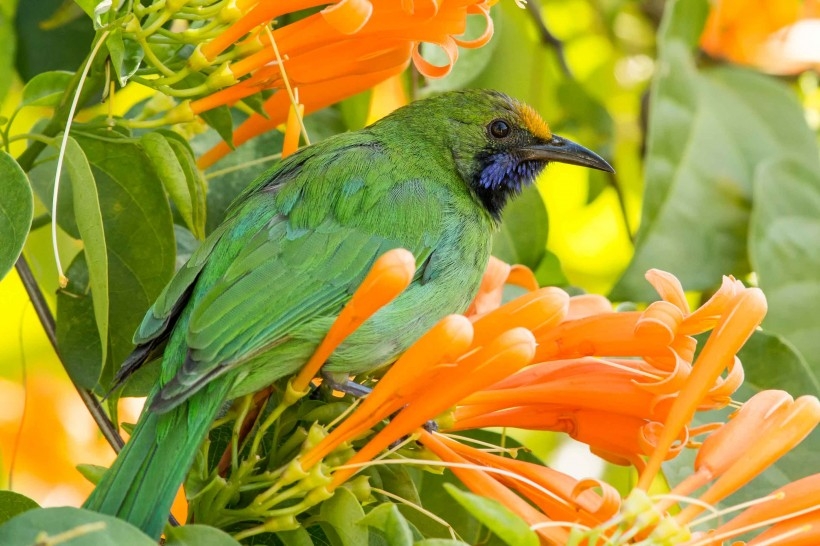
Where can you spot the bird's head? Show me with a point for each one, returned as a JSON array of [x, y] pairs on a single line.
[[498, 144]]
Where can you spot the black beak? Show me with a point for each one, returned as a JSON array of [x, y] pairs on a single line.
[[565, 151]]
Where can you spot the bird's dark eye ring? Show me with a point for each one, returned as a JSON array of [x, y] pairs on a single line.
[[499, 128]]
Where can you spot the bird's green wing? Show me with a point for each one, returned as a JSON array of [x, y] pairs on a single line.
[[282, 279]]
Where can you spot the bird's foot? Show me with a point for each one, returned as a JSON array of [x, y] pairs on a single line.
[[347, 386]]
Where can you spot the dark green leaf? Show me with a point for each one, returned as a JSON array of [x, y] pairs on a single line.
[[77, 333], [46, 89], [90, 225], [397, 480], [387, 519], [140, 240], [523, 235], [126, 55], [220, 119], [86, 529], [8, 44], [12, 503], [340, 519], [498, 518], [549, 271], [198, 535], [701, 160], [16, 210], [40, 50]]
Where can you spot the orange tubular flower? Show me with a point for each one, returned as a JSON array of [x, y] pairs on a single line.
[[624, 383], [346, 48]]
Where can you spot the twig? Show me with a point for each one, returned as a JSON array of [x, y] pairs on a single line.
[[47, 320], [547, 37]]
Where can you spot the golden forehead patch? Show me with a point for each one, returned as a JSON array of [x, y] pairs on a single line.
[[534, 122]]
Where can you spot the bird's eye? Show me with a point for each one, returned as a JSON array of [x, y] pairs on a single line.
[[499, 128]]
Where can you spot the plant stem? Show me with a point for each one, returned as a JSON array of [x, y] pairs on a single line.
[[47, 320]]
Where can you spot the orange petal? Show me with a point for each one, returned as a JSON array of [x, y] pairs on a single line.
[[538, 310], [668, 288], [389, 276], [746, 313], [293, 129], [348, 16]]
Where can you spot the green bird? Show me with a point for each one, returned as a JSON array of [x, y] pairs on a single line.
[[260, 293]]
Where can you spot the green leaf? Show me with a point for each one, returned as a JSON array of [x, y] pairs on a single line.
[[12, 503], [397, 480], [90, 225], [523, 235], [439, 542], [197, 187], [220, 120], [387, 519], [8, 45], [771, 362], [46, 89], [708, 130], [785, 250], [296, 537], [140, 241], [171, 173], [126, 55], [16, 210], [198, 535], [77, 334], [92, 472], [81, 528], [42, 49], [340, 519], [498, 518]]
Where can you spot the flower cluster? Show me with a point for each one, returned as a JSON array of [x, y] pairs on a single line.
[[627, 384], [210, 53]]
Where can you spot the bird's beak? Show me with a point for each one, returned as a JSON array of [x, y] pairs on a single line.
[[565, 151]]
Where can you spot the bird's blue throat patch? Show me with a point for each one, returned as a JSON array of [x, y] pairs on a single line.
[[502, 176]]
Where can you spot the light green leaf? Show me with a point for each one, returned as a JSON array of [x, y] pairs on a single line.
[[498, 518], [88, 6], [171, 173], [220, 120], [81, 528], [46, 89], [197, 187], [92, 472], [126, 55], [16, 209], [340, 519], [439, 542], [296, 537], [708, 130], [198, 535], [524, 226], [90, 225], [12, 503], [785, 250], [387, 519], [771, 362]]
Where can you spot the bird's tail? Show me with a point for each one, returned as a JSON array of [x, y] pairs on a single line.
[[141, 485]]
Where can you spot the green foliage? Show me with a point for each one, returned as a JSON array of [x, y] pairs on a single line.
[[15, 211], [497, 517], [12, 503], [70, 527]]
